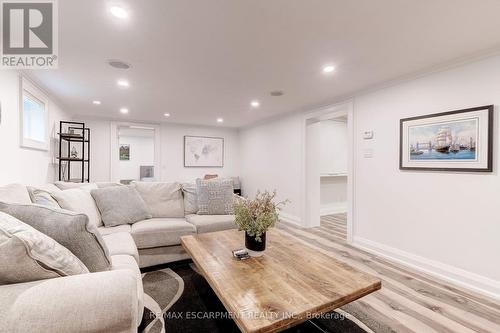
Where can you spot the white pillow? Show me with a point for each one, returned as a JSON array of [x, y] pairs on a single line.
[[15, 193], [42, 197], [162, 199], [26, 254], [79, 200]]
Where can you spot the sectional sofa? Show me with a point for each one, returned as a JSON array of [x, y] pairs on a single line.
[[110, 300]]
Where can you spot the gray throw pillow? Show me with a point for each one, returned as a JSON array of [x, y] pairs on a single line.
[[215, 196], [120, 205], [71, 230], [26, 254], [190, 198]]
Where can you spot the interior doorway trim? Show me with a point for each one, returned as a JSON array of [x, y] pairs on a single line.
[[311, 212], [114, 153]]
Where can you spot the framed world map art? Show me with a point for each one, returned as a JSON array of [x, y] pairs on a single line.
[[459, 140], [201, 151]]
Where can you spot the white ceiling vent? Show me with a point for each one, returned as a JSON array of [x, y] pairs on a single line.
[[118, 64], [277, 93]]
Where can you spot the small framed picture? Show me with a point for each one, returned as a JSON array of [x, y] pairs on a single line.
[[124, 152], [459, 140]]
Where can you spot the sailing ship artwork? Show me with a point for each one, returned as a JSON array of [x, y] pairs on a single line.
[[444, 141], [457, 141]]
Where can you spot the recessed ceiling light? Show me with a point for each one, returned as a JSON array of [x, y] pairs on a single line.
[[97, 102], [255, 104], [328, 69], [123, 83], [166, 115], [220, 120], [124, 110], [119, 12]]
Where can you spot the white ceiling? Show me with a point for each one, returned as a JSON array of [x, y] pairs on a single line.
[[199, 60]]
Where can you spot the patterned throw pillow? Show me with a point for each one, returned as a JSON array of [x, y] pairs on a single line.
[[215, 197], [26, 254]]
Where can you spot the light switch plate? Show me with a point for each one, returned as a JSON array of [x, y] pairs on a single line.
[[368, 135]]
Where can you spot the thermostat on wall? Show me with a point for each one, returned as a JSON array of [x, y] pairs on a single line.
[[367, 135]]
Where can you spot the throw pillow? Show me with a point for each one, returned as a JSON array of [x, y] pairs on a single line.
[[26, 254], [120, 205], [79, 200], [42, 197], [215, 197], [190, 198], [71, 230], [15, 193], [162, 199]]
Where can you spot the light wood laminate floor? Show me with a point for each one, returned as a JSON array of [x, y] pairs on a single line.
[[409, 301]]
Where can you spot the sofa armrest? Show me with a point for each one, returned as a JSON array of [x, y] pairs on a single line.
[[95, 302]]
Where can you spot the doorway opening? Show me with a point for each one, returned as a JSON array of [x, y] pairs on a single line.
[[135, 153], [328, 170]]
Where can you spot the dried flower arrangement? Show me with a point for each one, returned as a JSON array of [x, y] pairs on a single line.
[[257, 215]]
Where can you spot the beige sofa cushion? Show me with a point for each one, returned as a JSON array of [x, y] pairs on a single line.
[[122, 261], [79, 200], [190, 198], [111, 230], [120, 205], [162, 199], [160, 232], [121, 243], [71, 230], [211, 223], [15, 193], [70, 185], [26, 254]]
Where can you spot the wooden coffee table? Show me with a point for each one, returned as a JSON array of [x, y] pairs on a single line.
[[288, 285]]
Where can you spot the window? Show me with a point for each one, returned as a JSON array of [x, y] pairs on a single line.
[[34, 117]]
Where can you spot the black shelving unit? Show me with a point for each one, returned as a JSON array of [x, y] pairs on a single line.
[[70, 133]]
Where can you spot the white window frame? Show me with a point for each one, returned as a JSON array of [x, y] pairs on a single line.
[[37, 93]]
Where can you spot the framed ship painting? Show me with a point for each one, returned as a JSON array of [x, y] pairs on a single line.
[[200, 151], [459, 140]]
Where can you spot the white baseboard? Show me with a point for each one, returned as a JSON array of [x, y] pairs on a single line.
[[457, 276], [289, 218], [335, 208]]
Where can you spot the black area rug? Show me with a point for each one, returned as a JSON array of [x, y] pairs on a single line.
[[179, 300]]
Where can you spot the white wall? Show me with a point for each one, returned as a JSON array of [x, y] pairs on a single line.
[[449, 218], [172, 151], [18, 164], [444, 223], [271, 159], [142, 153], [334, 143], [172, 157]]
